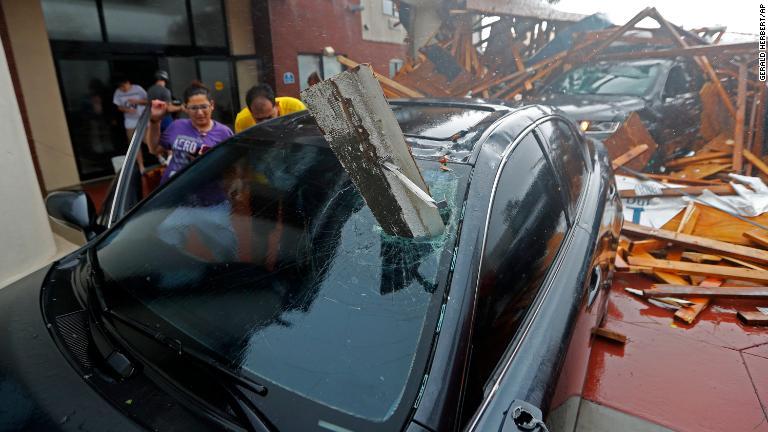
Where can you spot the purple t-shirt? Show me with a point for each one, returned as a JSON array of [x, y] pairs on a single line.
[[185, 142]]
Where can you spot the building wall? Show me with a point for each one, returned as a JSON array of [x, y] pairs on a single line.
[[242, 43], [40, 90], [240, 27], [306, 26], [378, 27], [25, 236]]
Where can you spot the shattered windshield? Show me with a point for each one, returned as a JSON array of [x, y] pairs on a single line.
[[625, 79], [267, 254], [439, 122]]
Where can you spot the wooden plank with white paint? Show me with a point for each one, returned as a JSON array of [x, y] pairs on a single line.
[[362, 131]]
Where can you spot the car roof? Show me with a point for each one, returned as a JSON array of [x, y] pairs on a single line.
[[641, 62], [434, 128]]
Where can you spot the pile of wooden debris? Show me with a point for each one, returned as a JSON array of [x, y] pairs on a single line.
[[499, 52], [699, 256]]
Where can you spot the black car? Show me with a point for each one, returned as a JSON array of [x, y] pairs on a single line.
[[664, 92], [255, 290]]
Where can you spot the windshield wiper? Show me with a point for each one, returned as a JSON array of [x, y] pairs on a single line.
[[252, 414], [453, 137], [180, 349]]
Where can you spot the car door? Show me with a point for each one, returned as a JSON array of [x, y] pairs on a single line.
[[566, 298], [680, 109], [527, 228], [130, 185], [594, 206]]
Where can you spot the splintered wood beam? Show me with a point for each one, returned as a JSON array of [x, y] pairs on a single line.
[[698, 243], [617, 33], [701, 269], [610, 335], [757, 147], [749, 141], [384, 80], [676, 163], [631, 134], [743, 263], [756, 162], [629, 155], [668, 277], [689, 314], [701, 258], [725, 189], [757, 236], [738, 128], [362, 131], [702, 61], [753, 318], [693, 181], [666, 290], [517, 57], [686, 226], [647, 245], [713, 50], [700, 171]]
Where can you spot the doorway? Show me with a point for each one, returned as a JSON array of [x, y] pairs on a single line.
[[139, 71], [95, 124]]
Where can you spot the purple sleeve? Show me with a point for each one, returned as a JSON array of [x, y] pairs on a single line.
[[167, 137], [222, 132]]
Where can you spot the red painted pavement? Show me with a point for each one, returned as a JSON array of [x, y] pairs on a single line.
[[709, 376]]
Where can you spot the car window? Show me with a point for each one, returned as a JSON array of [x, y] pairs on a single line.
[[266, 254], [694, 73], [607, 78], [677, 82], [526, 228], [568, 157]]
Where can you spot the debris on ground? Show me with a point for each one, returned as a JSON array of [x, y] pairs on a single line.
[[610, 335]]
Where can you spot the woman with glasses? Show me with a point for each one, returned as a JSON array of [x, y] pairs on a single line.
[[185, 139]]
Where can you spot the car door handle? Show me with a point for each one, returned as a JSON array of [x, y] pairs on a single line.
[[523, 417], [595, 282]]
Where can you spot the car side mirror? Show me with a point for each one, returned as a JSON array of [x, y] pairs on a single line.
[[74, 208]]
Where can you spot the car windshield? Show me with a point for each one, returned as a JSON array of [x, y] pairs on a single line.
[[437, 121], [267, 254], [623, 79]]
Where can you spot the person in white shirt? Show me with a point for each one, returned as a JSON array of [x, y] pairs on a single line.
[[130, 100]]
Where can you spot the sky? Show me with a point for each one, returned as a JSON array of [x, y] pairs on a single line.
[[740, 16]]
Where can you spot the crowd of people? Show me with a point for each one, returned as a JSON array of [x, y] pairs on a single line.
[[178, 142]]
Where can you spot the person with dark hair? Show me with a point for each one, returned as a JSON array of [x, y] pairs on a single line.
[[130, 100], [261, 104], [185, 139], [160, 91], [313, 79]]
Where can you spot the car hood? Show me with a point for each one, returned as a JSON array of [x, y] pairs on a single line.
[[39, 390], [593, 107]]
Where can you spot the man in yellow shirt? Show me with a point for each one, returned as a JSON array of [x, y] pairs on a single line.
[[261, 104]]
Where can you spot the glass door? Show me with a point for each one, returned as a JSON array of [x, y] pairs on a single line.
[[94, 123], [217, 74]]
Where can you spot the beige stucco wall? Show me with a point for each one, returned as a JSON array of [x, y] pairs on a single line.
[[240, 27], [242, 43], [26, 241], [40, 88], [378, 27]]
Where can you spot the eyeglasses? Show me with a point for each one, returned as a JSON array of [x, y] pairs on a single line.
[[203, 107], [261, 119]]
